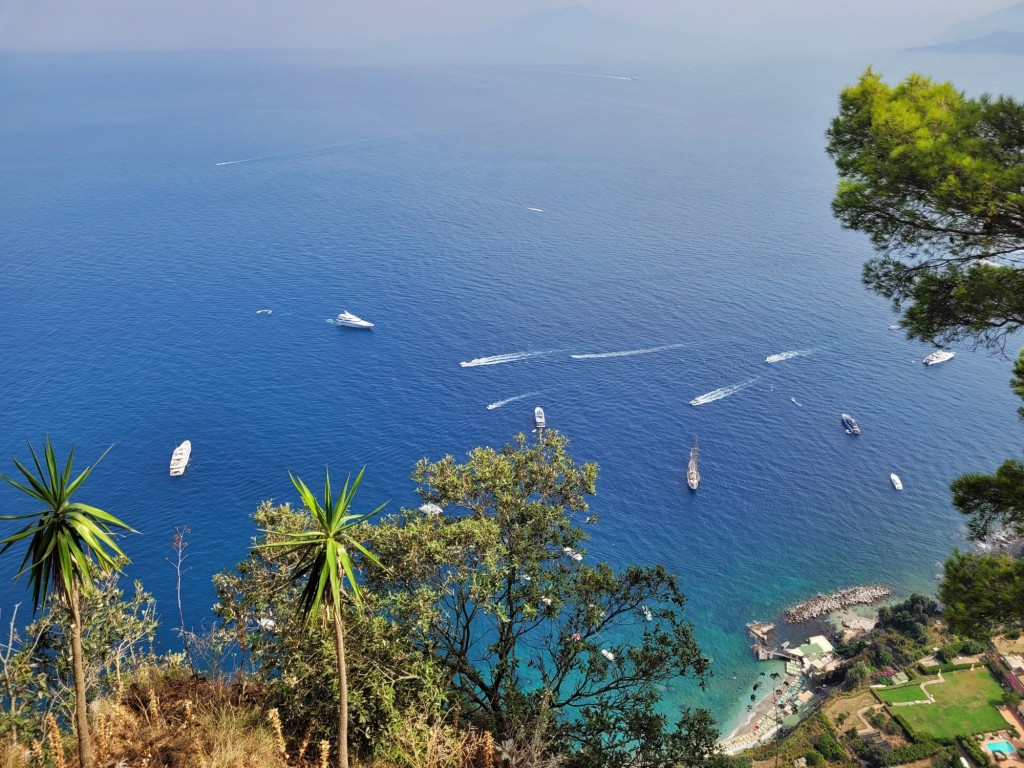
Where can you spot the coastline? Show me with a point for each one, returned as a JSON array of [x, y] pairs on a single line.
[[849, 618], [759, 724]]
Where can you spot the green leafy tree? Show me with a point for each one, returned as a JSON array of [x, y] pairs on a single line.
[[390, 683], [36, 668], [324, 565], [909, 618], [489, 578], [981, 592], [935, 179], [67, 542]]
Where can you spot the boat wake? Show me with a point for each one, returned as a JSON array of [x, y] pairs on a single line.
[[511, 357], [625, 353], [794, 401], [298, 152], [718, 394], [508, 400], [788, 355], [538, 210], [591, 74]]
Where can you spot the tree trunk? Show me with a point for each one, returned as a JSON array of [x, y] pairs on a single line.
[[339, 649], [78, 664]]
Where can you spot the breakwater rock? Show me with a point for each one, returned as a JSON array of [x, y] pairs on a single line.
[[819, 605]]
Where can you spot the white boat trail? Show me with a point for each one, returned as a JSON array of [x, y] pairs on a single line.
[[788, 355], [511, 357], [718, 394], [298, 152], [508, 400], [625, 353], [589, 74], [795, 402], [538, 210]]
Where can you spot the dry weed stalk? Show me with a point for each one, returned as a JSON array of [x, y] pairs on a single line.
[[485, 750], [54, 740], [325, 752], [190, 716], [275, 720], [37, 753], [154, 706], [305, 741]]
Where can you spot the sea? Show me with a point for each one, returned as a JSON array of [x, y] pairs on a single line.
[[609, 241]]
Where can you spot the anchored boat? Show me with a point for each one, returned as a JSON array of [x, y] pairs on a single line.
[[348, 320], [692, 473], [180, 457], [939, 356], [850, 424], [538, 417]]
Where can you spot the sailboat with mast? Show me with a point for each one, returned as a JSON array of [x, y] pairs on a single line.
[[692, 473]]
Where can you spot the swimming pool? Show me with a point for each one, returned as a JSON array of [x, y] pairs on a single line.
[[1001, 746]]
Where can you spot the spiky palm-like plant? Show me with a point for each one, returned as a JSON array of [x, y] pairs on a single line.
[[325, 564], [67, 540]]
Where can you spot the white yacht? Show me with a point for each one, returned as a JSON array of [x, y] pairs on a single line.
[[180, 457], [692, 473], [939, 356], [538, 417], [896, 482], [349, 320]]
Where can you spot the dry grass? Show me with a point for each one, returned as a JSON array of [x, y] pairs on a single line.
[[14, 755], [1004, 644], [166, 721], [849, 706]]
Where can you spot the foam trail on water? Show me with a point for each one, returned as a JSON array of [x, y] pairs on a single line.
[[508, 400], [788, 355], [718, 394], [590, 74], [511, 357], [297, 152], [625, 353]]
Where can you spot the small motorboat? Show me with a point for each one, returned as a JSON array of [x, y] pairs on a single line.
[[850, 424], [939, 356], [538, 417], [348, 320], [896, 482], [180, 457]]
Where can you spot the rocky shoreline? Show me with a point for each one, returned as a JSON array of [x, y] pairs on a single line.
[[819, 605]]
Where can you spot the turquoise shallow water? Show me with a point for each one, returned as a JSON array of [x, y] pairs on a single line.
[[155, 202]]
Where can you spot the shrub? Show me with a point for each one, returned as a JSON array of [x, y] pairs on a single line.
[[829, 747], [977, 755], [903, 724], [912, 752], [934, 669], [814, 757]]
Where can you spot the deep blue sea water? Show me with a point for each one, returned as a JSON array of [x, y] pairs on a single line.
[[687, 210]]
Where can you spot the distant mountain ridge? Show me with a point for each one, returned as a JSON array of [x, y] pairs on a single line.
[[998, 42], [1009, 19], [999, 32]]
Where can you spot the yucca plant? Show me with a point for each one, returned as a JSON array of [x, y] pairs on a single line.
[[325, 564], [67, 542]]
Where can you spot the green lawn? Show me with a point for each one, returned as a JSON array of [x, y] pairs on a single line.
[[910, 693], [965, 704]]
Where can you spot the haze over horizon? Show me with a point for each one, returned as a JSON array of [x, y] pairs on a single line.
[[649, 28]]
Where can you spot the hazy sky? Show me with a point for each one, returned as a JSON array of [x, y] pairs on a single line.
[[765, 26]]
